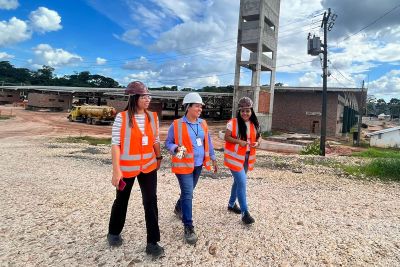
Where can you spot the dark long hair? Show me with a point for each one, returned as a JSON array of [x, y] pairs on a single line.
[[243, 128], [132, 109]]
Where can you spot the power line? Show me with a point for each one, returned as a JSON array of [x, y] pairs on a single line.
[[339, 82], [370, 24], [340, 72], [222, 74]]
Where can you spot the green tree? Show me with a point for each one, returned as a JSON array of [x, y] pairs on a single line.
[[43, 76], [371, 103], [394, 107], [381, 106], [9, 75]]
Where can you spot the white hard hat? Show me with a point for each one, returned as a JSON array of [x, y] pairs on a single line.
[[192, 98]]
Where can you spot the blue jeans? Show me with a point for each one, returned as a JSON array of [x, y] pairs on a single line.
[[239, 186], [187, 183]]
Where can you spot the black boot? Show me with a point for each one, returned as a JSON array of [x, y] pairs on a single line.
[[154, 250], [247, 219], [190, 235], [114, 240], [178, 212], [234, 209]]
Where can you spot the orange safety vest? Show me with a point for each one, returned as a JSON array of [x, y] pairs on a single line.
[[234, 154], [136, 157], [182, 137]]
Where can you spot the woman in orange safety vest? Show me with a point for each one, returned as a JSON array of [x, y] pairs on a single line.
[[190, 145], [136, 153], [242, 136]]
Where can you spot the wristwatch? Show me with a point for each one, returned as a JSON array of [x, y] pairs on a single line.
[[159, 158]]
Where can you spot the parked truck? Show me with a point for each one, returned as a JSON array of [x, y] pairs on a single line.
[[92, 114]]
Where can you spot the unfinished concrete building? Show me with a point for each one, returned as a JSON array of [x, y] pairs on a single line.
[[258, 33]]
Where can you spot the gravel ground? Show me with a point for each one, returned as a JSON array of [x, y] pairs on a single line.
[[56, 200]]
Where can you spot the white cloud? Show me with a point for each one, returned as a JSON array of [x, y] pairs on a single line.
[[144, 76], [387, 86], [9, 4], [54, 57], [189, 34], [130, 36], [139, 64], [101, 61], [310, 79], [185, 10], [5, 56], [13, 31], [45, 20]]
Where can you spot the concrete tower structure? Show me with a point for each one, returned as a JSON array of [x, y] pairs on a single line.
[[258, 33]]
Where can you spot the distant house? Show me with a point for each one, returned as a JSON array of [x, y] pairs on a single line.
[[383, 116], [389, 137]]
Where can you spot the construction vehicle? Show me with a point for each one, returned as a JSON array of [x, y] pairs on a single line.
[[92, 114]]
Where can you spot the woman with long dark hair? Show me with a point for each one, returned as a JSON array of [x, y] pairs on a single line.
[[136, 153], [242, 136]]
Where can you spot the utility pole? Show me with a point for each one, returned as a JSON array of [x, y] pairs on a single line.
[[360, 113], [324, 82], [314, 48]]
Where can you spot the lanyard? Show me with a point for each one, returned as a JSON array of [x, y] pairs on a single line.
[[197, 127]]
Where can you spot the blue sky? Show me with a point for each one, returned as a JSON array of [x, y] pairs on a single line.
[[192, 43]]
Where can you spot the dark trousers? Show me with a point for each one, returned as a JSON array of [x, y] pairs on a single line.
[[148, 187]]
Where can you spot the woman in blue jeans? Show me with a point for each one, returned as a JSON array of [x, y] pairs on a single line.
[[242, 137], [190, 145]]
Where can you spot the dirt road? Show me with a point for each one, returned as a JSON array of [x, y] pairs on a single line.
[[45, 123]]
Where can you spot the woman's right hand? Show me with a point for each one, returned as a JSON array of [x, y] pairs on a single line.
[[117, 176], [242, 143]]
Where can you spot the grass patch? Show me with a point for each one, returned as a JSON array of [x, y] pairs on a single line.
[[385, 169], [378, 153], [311, 149], [94, 141], [330, 163], [6, 117]]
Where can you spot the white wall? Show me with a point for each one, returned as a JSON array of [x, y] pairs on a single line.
[[390, 139]]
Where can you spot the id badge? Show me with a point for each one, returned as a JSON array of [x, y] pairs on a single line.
[[198, 140], [145, 140]]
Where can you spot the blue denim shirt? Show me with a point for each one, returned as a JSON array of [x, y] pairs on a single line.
[[197, 150]]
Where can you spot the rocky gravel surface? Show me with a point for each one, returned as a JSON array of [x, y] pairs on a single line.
[[56, 200]]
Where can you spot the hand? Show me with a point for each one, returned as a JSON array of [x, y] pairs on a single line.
[[117, 176], [158, 164], [242, 143], [214, 163], [255, 144], [181, 152]]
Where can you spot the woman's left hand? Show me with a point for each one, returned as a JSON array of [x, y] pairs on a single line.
[[255, 144], [214, 162], [158, 164]]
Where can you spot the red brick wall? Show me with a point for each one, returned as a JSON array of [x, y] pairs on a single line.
[[51, 101], [263, 102], [290, 110], [9, 97]]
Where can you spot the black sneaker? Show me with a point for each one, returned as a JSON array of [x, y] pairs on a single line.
[[114, 240], [234, 209], [154, 250], [190, 235], [247, 219], [178, 213]]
